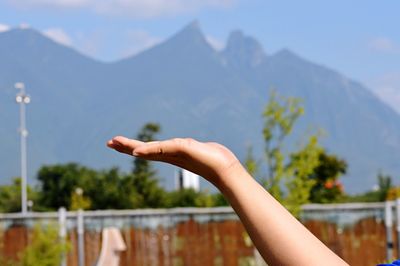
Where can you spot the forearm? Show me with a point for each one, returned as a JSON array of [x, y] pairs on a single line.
[[279, 237]]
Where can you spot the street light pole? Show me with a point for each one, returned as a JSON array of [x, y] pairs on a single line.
[[22, 99]]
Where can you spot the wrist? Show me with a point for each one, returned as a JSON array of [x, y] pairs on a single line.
[[231, 178]]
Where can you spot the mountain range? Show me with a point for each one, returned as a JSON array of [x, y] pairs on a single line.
[[191, 89]]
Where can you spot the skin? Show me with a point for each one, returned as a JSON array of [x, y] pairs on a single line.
[[278, 236]]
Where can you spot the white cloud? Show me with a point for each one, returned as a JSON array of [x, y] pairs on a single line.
[[155, 8], [138, 41], [385, 45], [50, 3], [58, 35], [387, 87], [133, 8], [4, 27], [215, 43]]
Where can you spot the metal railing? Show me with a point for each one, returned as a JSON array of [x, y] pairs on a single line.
[[388, 211]]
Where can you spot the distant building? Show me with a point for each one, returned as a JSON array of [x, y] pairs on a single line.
[[186, 179]]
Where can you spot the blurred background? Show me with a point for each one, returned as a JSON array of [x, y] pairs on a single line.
[[306, 94]]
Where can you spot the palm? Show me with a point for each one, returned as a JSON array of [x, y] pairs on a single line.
[[210, 160]]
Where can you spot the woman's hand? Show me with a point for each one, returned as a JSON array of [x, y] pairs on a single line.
[[280, 238], [209, 160]]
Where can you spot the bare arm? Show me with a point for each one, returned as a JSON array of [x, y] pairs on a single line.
[[278, 236]]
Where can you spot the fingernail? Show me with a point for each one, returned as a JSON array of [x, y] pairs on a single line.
[[134, 153], [114, 141]]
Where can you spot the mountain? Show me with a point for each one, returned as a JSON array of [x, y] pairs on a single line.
[[192, 90], [243, 52]]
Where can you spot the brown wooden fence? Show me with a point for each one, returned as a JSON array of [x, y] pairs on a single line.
[[215, 236]]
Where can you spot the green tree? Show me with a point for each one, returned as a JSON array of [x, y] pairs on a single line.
[[379, 193], [393, 193], [219, 200], [58, 182], [146, 134], [205, 200], [279, 115], [10, 196], [182, 198], [250, 163], [46, 249], [106, 189], [327, 188], [302, 164], [292, 170], [79, 201], [111, 189], [188, 197], [144, 177], [384, 186]]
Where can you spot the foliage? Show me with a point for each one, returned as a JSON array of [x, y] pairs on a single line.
[[383, 191], [219, 200], [204, 199], [250, 163], [298, 182], [10, 196], [384, 186], [294, 170], [107, 189], [327, 188], [46, 249], [146, 134], [57, 183], [181, 198], [111, 189], [280, 114], [79, 201], [8, 261], [393, 193], [369, 196], [188, 197]]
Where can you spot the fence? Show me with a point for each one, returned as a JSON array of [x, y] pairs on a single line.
[[362, 234]]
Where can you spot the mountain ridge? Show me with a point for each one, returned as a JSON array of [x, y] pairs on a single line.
[[192, 90]]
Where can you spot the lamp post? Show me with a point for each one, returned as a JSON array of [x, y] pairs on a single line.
[[22, 99]]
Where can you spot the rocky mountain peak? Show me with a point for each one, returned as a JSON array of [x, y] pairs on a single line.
[[243, 51]]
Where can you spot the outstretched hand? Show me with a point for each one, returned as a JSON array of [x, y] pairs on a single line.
[[279, 237], [209, 160]]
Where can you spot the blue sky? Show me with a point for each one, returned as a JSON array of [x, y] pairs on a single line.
[[360, 39]]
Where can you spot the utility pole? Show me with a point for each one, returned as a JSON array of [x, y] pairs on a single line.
[[22, 99]]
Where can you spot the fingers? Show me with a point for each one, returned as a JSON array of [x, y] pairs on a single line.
[[174, 151], [123, 144], [158, 150], [154, 150]]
